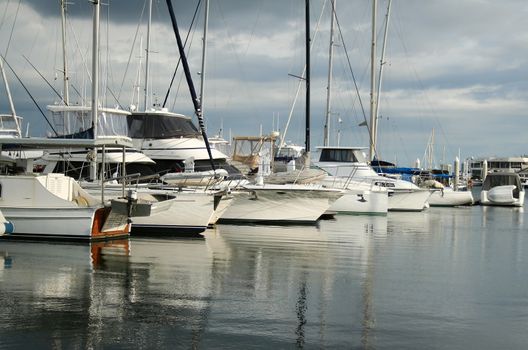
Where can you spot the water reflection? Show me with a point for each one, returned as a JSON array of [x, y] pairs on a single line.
[[318, 279], [353, 282]]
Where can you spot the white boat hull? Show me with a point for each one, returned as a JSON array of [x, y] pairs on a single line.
[[362, 202], [408, 200], [503, 196], [54, 206], [279, 204], [172, 211], [187, 213], [360, 197], [449, 198]]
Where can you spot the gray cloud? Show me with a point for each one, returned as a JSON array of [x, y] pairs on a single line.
[[459, 67]]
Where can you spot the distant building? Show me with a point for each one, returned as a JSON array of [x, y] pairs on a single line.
[[507, 164]]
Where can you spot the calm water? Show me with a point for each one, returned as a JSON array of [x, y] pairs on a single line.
[[448, 278]]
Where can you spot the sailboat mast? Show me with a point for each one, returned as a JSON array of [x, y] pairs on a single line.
[[204, 54], [329, 85], [95, 83], [307, 136], [66, 92], [95, 66], [9, 97], [373, 121], [190, 84], [382, 59], [147, 51], [8, 91]]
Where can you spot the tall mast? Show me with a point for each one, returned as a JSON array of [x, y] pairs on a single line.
[[382, 59], [147, 51], [95, 66], [204, 53], [95, 83], [190, 84], [8, 91], [66, 93], [329, 86], [307, 136], [373, 121], [9, 97]]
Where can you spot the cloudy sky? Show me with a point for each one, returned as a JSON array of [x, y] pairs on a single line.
[[458, 67]]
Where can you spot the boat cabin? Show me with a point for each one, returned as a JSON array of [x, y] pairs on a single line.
[[502, 179], [161, 124], [342, 154]]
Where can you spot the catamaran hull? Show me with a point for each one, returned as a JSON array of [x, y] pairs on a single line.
[[277, 206]]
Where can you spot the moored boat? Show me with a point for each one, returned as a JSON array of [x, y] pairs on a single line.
[[55, 206], [503, 189], [279, 204], [351, 163]]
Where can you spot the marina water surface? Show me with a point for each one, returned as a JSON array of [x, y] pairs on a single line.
[[446, 278]]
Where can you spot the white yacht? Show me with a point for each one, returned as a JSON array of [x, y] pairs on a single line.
[[170, 139], [174, 211], [351, 163], [54, 206], [503, 189], [279, 204]]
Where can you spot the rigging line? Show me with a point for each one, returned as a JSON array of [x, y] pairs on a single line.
[[421, 85], [131, 50], [77, 92], [83, 58], [299, 85], [352, 73], [241, 70], [12, 28], [31, 96], [114, 96], [252, 33], [188, 77], [44, 78], [180, 82], [4, 16], [179, 59]]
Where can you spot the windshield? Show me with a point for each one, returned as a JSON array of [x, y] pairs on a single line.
[[160, 126]]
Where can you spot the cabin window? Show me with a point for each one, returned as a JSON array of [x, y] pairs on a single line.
[[160, 126], [338, 155]]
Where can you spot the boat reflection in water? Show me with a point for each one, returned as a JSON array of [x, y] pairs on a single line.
[[405, 280], [305, 285]]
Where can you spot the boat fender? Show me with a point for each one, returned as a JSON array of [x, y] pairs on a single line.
[[132, 198], [7, 228]]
